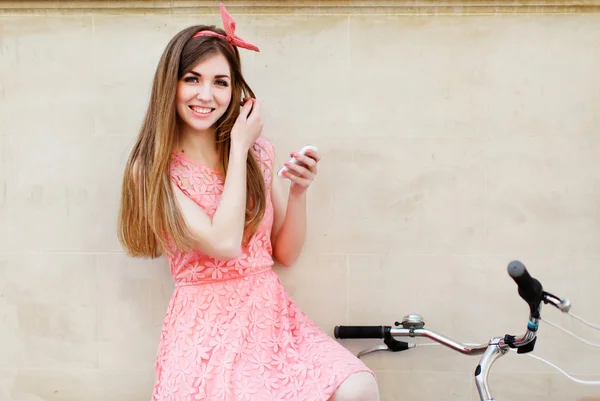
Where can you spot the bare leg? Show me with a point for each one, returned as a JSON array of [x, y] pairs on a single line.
[[360, 386]]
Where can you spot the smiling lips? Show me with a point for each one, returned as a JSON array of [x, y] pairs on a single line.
[[201, 112]]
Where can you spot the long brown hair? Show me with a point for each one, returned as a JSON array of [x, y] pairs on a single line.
[[149, 217]]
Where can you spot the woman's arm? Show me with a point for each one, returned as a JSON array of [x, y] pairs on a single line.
[[289, 223], [221, 237]]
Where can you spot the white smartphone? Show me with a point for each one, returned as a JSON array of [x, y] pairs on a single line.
[[293, 160]]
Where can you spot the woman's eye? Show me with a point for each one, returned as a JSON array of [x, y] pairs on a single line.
[[191, 79], [220, 82]]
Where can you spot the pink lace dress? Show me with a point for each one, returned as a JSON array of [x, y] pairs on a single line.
[[231, 331]]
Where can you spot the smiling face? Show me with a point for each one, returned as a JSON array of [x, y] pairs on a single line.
[[204, 93]]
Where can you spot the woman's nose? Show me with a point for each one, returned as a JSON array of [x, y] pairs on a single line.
[[205, 93]]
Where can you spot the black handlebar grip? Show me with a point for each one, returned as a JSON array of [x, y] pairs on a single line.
[[360, 331], [530, 289]]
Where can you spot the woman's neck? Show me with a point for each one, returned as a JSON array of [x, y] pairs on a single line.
[[199, 146]]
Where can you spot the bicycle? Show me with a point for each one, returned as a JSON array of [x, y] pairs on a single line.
[[530, 290]]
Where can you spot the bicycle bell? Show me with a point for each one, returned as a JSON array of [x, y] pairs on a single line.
[[412, 322]]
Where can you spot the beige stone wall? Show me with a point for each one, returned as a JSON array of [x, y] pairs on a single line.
[[456, 137]]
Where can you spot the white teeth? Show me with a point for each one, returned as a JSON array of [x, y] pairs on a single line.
[[202, 110]]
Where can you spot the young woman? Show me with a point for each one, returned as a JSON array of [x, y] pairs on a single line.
[[201, 188]]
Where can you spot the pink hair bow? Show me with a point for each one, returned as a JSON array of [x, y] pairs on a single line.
[[229, 25]]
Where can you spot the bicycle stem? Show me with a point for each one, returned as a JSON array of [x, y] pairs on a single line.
[[482, 371]]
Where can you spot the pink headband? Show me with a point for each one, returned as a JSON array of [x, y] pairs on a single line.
[[229, 25]]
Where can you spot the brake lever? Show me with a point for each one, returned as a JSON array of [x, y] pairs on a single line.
[[380, 347], [389, 344], [564, 305]]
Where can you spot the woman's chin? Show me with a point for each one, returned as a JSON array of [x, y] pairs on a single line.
[[200, 126]]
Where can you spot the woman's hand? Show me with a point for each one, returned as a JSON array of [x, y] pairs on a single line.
[[248, 126], [303, 173]]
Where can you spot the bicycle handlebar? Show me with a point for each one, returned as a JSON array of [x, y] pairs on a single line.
[[529, 289], [370, 332]]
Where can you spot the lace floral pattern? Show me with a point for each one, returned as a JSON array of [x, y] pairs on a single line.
[[231, 331]]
